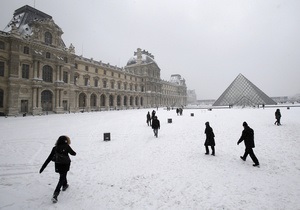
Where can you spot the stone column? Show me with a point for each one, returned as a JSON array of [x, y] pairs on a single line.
[[34, 97], [35, 69], [39, 94], [56, 98]]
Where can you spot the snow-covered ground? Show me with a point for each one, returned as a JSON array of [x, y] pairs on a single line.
[[135, 170]]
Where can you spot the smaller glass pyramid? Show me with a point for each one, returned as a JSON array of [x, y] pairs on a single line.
[[242, 92]]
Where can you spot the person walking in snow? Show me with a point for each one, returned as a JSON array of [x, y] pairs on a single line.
[[155, 126], [248, 138], [148, 119], [210, 139], [60, 155], [277, 117], [153, 114]]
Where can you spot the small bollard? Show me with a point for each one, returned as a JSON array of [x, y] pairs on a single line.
[[106, 136], [192, 114], [169, 120], [288, 107]]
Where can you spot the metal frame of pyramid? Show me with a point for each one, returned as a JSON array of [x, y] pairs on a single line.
[[242, 92]]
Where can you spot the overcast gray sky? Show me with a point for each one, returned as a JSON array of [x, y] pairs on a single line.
[[207, 42]]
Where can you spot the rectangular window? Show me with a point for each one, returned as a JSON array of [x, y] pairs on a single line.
[[65, 77], [96, 71], [104, 72], [96, 83], [1, 68], [86, 81], [112, 85], [75, 80], [112, 74], [26, 50], [86, 68], [104, 84], [119, 86], [25, 71], [2, 45], [76, 66]]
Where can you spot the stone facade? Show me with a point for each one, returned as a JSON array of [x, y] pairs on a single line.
[[39, 74]]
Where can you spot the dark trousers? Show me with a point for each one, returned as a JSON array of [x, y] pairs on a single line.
[[212, 149], [62, 182], [251, 153], [155, 131]]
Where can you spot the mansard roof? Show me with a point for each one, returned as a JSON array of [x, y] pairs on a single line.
[[26, 15]]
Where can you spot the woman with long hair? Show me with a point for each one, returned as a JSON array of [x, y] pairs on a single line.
[[60, 155]]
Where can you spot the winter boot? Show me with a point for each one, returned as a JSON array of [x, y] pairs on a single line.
[[65, 187], [256, 165], [54, 198]]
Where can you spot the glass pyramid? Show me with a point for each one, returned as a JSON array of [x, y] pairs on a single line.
[[242, 92]]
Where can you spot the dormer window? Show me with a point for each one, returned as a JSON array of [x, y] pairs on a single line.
[[26, 50], [48, 38], [48, 55]]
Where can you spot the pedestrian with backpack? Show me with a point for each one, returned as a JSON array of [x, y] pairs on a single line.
[[60, 155]]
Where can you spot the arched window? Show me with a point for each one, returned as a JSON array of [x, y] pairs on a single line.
[[93, 102], [48, 38], [111, 100], [82, 100], [46, 98], [125, 101], [118, 100], [142, 101], [1, 98], [131, 101], [102, 100], [47, 73]]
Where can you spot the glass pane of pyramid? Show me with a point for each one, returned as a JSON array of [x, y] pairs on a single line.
[[242, 92]]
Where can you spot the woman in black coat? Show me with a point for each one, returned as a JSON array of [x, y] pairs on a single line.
[[277, 117], [210, 139], [60, 155]]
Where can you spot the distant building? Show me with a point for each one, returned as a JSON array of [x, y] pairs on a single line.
[[38, 73], [191, 97], [281, 99]]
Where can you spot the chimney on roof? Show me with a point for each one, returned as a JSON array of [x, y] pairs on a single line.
[[139, 56]]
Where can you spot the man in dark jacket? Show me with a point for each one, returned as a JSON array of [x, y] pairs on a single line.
[[210, 139], [248, 138], [148, 118], [155, 126]]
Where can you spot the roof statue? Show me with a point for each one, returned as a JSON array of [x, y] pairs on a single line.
[[242, 92]]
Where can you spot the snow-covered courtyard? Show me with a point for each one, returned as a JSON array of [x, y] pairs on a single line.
[[135, 170]]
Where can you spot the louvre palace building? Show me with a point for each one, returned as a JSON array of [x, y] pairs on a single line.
[[40, 74]]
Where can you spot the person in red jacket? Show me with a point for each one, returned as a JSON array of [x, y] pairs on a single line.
[[248, 138], [60, 155]]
